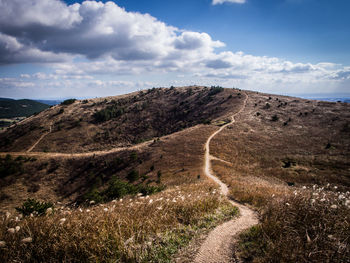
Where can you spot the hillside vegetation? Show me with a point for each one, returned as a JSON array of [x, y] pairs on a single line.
[[10, 108]]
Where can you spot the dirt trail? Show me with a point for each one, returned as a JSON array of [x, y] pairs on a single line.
[[218, 246], [41, 137]]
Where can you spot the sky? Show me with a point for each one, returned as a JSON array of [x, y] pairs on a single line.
[[52, 49]]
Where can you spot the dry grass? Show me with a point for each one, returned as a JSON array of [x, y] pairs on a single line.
[[256, 191], [311, 226], [140, 229]]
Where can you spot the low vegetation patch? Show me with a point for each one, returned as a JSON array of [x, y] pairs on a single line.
[[34, 207], [118, 188], [68, 101], [108, 113]]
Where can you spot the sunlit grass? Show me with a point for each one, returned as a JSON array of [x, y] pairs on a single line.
[[132, 229]]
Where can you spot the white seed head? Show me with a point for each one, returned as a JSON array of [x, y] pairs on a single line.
[[2, 244], [27, 240], [11, 230]]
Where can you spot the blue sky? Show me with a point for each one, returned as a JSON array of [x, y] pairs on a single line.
[[55, 49], [298, 30]]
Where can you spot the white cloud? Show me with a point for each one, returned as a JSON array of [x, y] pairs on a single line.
[[97, 43], [12, 51], [219, 2]]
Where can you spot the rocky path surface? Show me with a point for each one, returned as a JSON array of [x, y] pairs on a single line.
[[218, 246]]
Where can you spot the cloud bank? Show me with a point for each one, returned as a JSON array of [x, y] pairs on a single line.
[[95, 41]]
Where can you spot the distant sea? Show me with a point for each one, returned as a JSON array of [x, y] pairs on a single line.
[[50, 102], [336, 99], [347, 100]]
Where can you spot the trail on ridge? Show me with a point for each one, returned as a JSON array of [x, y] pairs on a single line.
[[218, 246]]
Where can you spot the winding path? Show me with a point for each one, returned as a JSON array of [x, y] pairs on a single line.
[[218, 246]]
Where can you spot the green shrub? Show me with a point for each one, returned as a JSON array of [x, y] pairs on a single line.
[[215, 90], [118, 188], [68, 102], [133, 176], [274, 118], [94, 195], [108, 113], [267, 106], [32, 206]]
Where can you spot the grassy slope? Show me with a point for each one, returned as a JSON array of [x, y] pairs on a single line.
[[142, 116]]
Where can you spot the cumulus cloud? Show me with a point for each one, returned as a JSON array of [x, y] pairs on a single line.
[[91, 39], [12, 51], [219, 2], [95, 29]]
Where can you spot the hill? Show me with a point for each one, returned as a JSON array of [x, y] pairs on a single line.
[[280, 155], [102, 124], [10, 108]]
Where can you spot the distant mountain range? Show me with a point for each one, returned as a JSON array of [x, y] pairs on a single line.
[[10, 108]]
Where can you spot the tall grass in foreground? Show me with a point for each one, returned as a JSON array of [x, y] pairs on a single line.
[[139, 229], [312, 225]]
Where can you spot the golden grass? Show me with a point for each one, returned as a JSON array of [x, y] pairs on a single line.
[[313, 225], [139, 229]]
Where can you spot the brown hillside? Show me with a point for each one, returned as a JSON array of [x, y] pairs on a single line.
[[102, 124], [307, 142]]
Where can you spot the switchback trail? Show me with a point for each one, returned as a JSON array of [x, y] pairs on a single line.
[[218, 246]]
